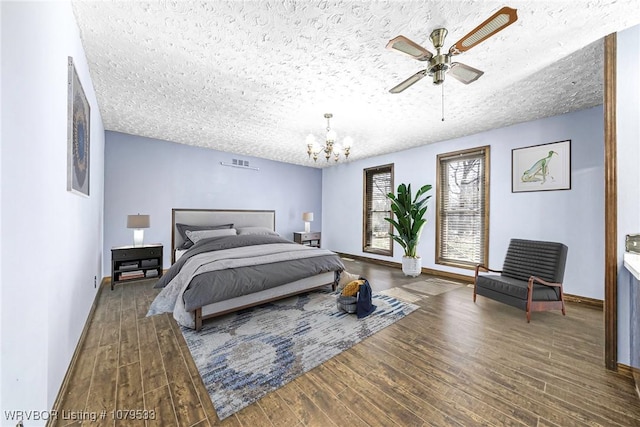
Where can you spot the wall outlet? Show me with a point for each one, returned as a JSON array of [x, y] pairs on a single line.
[[95, 282]]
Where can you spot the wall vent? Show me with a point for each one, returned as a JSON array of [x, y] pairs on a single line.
[[239, 163]]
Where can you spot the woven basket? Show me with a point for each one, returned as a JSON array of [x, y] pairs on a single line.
[[347, 304]]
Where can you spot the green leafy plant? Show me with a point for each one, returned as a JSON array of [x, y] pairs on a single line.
[[409, 216]]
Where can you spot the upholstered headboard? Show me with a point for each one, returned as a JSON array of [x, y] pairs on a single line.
[[239, 218]]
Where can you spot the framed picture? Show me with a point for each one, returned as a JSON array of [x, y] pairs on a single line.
[[78, 143], [542, 167]]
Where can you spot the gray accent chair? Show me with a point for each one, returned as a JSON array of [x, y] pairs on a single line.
[[531, 277]]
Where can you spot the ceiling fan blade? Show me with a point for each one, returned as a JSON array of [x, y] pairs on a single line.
[[410, 81], [498, 21], [464, 73], [408, 47]]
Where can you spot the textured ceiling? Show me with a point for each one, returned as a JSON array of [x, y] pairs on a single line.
[[255, 77]]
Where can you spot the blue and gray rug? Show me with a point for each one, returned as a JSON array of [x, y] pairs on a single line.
[[245, 355]]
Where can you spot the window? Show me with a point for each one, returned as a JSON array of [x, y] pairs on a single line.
[[462, 205], [378, 182]]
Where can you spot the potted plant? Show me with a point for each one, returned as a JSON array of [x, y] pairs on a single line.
[[409, 219]]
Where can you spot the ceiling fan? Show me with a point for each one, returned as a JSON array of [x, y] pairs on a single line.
[[440, 63]]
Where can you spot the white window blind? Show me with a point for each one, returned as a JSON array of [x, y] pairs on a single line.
[[463, 207], [378, 182]]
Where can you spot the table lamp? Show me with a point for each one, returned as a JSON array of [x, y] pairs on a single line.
[[307, 217], [138, 223]]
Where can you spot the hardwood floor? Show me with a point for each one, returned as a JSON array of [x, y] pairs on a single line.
[[450, 363]]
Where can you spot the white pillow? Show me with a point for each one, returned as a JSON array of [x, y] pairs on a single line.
[[256, 230], [197, 235], [346, 278]]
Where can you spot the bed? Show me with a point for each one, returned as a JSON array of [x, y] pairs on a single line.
[[226, 260]]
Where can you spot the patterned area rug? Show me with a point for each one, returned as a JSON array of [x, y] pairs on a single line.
[[245, 355]]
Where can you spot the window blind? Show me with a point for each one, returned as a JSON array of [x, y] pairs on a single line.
[[463, 207], [378, 182]]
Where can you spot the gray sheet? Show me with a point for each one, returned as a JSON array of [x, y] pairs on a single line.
[[216, 244], [221, 285], [215, 270]]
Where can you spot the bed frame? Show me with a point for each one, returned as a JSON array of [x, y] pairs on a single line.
[[240, 218]]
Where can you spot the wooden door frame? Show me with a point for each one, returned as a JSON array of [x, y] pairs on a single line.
[[611, 206]]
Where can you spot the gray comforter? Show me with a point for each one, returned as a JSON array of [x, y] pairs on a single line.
[[216, 270]]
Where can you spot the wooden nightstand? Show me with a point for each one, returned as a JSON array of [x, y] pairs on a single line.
[[310, 239], [135, 263]]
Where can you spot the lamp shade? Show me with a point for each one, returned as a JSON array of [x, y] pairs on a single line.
[[138, 221], [307, 216]]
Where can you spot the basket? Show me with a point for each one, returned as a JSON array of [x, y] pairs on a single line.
[[347, 304]]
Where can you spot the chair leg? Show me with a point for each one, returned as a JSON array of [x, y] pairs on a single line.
[[529, 298], [475, 282]]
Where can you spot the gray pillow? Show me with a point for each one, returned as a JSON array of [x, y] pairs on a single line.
[[182, 229], [196, 235], [256, 230]]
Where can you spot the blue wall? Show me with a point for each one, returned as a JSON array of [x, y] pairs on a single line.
[[150, 176], [574, 217]]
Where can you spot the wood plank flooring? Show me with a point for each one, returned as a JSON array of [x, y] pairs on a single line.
[[450, 363]]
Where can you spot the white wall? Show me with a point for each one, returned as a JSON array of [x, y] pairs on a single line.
[[628, 169], [574, 217], [51, 238], [150, 176], [1, 116]]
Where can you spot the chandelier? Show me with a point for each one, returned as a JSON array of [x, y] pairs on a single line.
[[330, 148]]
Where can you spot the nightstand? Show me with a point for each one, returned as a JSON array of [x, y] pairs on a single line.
[[130, 263], [310, 239]]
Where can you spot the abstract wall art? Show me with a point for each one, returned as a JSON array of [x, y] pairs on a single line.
[[78, 135]]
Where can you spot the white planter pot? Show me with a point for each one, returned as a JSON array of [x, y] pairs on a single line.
[[411, 266]]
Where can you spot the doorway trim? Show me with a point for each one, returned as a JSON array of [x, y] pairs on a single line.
[[611, 206]]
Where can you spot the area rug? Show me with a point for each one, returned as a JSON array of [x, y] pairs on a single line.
[[433, 286], [245, 355]]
